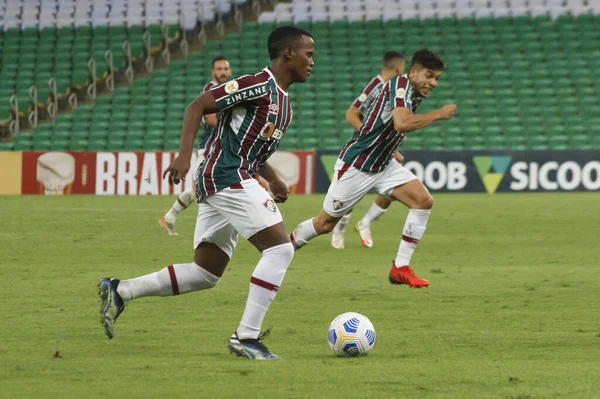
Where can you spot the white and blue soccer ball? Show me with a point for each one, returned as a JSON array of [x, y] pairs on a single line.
[[351, 334]]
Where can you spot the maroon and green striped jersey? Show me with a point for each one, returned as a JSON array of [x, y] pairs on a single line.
[[254, 113], [367, 90], [207, 137], [371, 148]]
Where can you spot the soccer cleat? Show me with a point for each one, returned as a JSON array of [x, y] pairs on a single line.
[[169, 227], [251, 348], [406, 275], [337, 240], [365, 235], [112, 305]]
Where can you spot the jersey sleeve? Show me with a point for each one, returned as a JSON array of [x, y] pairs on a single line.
[[364, 107], [207, 87], [365, 93], [239, 91], [399, 91]]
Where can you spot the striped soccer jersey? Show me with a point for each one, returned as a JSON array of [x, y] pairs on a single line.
[[254, 113], [361, 101], [371, 148], [207, 137]]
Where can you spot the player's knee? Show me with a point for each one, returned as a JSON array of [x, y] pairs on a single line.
[[425, 202], [287, 252], [283, 252], [202, 283], [196, 278]]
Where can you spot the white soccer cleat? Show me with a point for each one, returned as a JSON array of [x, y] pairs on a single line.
[[168, 226], [337, 240], [365, 235]]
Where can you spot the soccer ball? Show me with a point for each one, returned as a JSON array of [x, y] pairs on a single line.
[[351, 334]]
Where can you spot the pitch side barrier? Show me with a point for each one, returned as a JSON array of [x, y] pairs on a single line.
[[123, 173], [491, 171], [140, 173]]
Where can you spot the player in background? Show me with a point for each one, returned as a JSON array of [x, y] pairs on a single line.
[[221, 72], [254, 113], [366, 163], [392, 65]]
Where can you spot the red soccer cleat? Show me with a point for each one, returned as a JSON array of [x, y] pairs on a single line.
[[406, 275]]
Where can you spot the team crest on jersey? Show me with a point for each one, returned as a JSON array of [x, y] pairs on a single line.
[[401, 93], [337, 204], [232, 87], [270, 205], [363, 97]]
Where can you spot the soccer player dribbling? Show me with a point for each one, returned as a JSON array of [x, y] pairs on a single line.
[[366, 163], [221, 72], [391, 65], [254, 112]]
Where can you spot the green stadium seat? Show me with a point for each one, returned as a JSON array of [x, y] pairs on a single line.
[[7, 146], [509, 104], [59, 145]]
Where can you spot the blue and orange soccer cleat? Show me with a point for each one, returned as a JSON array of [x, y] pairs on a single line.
[[406, 275], [251, 348], [112, 305]]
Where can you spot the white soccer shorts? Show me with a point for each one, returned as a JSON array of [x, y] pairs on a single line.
[[246, 210], [348, 189]]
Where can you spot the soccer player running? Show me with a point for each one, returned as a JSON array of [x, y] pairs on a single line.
[[221, 72], [254, 113], [392, 65], [366, 163]]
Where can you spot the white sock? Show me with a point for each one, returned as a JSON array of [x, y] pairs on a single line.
[[264, 284], [414, 228], [172, 280], [183, 201], [374, 212], [340, 227], [303, 233]]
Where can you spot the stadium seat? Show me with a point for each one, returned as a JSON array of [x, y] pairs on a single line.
[[505, 69]]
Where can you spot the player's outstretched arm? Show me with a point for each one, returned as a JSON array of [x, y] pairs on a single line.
[[278, 188], [406, 122], [205, 104], [353, 117]]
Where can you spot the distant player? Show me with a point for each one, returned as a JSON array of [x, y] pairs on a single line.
[[221, 72], [392, 65], [366, 163], [254, 113]]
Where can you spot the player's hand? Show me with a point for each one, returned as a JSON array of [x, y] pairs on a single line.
[[398, 157], [177, 170], [279, 190], [447, 111]]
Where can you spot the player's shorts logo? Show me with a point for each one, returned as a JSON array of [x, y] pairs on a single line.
[[401, 93], [337, 204], [363, 97], [232, 87], [270, 205]]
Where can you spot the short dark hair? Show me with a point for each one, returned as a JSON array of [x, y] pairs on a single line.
[[428, 59], [219, 58], [283, 37], [390, 57]]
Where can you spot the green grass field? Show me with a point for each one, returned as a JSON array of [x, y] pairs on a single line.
[[512, 310]]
